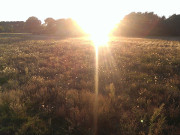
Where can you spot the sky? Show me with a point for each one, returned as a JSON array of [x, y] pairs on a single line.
[[20, 10]]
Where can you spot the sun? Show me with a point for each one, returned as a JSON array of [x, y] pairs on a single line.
[[98, 28], [98, 19]]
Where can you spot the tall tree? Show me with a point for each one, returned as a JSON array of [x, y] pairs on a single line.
[[50, 25], [33, 25]]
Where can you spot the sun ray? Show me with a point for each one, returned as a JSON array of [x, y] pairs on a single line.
[[96, 90]]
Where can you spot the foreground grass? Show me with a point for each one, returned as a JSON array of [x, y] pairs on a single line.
[[47, 86]]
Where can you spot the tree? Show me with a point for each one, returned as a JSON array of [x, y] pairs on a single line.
[[68, 27], [173, 24], [1, 29], [33, 25], [139, 24], [50, 25]]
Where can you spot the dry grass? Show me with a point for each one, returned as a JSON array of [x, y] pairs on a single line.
[[53, 78]]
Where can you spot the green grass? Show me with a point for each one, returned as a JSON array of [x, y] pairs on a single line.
[[47, 86]]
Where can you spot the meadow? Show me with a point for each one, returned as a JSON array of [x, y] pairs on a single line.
[[47, 86]]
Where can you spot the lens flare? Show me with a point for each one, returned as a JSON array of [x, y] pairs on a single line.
[[96, 78], [99, 40], [98, 28]]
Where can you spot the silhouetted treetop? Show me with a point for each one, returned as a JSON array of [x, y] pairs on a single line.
[[33, 24], [148, 24]]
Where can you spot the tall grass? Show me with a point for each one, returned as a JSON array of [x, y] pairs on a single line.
[[47, 86]]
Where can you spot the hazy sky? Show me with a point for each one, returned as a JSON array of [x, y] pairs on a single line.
[[12, 10]]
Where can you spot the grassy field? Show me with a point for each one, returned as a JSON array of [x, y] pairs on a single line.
[[47, 86]]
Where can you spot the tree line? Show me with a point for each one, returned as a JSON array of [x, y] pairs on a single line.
[[62, 27], [148, 24], [133, 24]]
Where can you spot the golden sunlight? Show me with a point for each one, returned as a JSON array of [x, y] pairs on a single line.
[[98, 19], [99, 29]]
